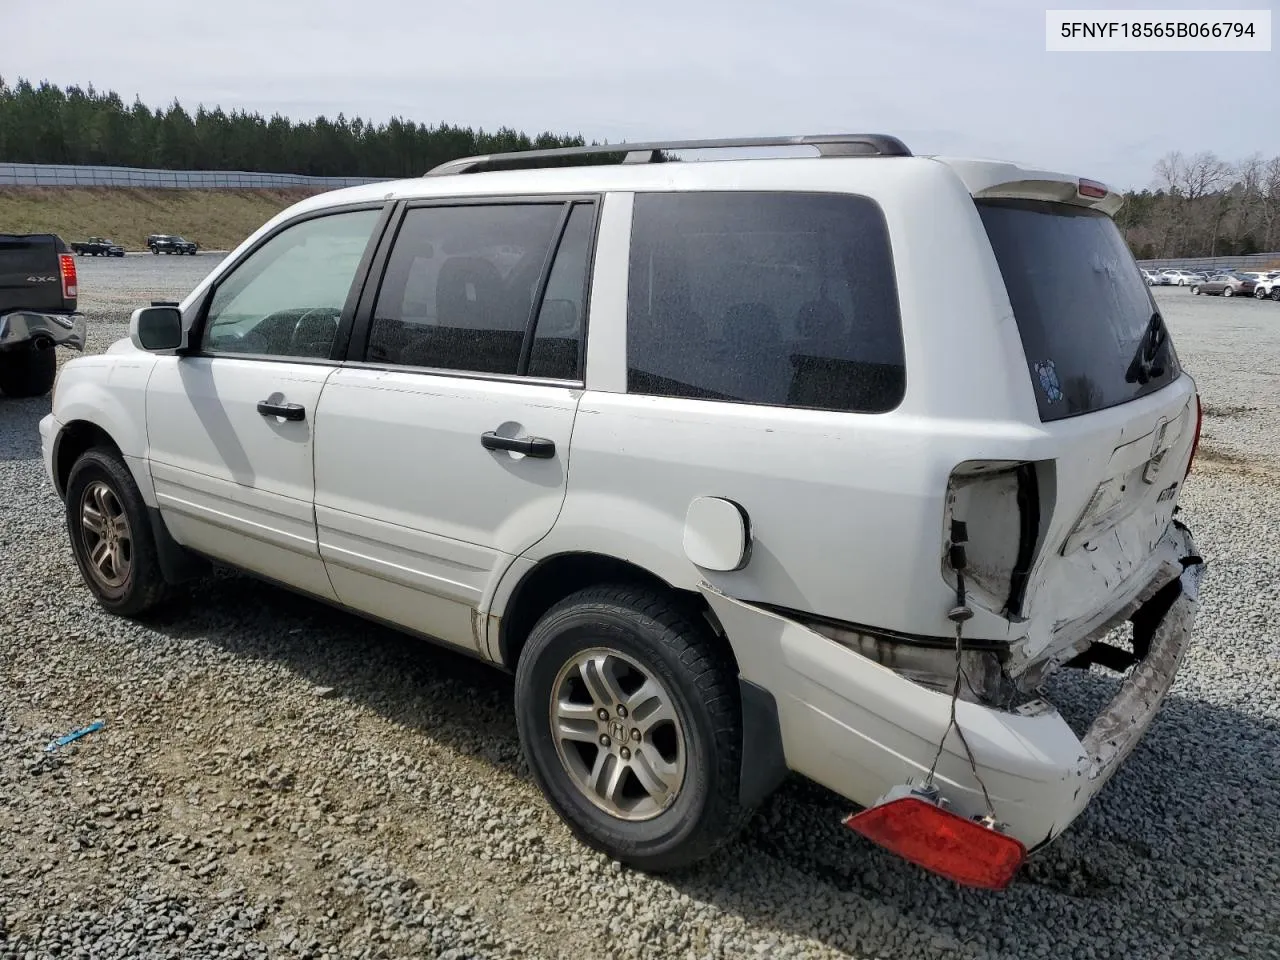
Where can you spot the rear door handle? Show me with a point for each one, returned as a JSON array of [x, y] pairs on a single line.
[[288, 411], [538, 447]]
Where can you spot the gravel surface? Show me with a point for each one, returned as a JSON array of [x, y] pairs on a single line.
[[279, 780]]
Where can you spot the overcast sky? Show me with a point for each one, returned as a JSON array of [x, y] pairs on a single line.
[[968, 78]]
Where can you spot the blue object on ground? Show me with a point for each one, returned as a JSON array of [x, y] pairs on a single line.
[[75, 735]]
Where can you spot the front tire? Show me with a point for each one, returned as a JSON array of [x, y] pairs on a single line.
[[1228, 292], [28, 371], [111, 535], [629, 716]]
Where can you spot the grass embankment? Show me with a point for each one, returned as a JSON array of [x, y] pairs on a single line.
[[215, 219]]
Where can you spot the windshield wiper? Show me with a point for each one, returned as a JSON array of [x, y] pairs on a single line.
[[1145, 365]]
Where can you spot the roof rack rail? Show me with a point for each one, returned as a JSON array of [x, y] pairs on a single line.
[[828, 145]]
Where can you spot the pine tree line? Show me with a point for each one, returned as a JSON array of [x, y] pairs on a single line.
[[42, 123]]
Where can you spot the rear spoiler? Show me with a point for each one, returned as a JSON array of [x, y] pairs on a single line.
[[990, 178]]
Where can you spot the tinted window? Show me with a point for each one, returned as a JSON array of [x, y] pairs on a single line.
[[459, 286], [1081, 305], [557, 341], [771, 298], [285, 300]]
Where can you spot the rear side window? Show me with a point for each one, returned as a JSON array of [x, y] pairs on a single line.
[[1083, 309], [463, 290], [784, 299]]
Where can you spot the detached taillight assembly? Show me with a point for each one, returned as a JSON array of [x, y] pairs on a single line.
[[68, 267], [1195, 440], [970, 852]]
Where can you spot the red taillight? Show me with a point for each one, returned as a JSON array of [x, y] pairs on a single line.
[[1195, 440], [1091, 188], [946, 843], [69, 289]]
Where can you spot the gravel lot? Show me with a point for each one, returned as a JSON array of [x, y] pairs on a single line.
[[279, 780]]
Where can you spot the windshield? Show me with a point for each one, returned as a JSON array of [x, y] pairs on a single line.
[[1090, 329]]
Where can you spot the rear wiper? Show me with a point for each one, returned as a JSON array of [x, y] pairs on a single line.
[[1145, 365]]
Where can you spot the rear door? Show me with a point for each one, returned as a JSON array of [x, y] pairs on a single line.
[[442, 446], [1108, 388]]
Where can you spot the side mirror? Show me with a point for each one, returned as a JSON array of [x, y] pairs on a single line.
[[156, 328]]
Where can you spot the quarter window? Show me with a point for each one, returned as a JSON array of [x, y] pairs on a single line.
[[287, 297], [785, 299]]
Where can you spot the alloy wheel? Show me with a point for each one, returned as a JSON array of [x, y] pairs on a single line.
[[617, 734], [108, 541]]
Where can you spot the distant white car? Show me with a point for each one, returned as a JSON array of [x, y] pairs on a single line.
[[1152, 278], [1268, 286], [1180, 278]]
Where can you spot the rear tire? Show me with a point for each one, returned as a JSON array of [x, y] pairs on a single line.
[[1275, 293], [658, 794], [28, 371], [1196, 291], [111, 535]]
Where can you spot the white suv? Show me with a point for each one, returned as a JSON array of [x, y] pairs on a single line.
[[815, 464]]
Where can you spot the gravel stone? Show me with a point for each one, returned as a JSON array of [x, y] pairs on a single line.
[[229, 809]]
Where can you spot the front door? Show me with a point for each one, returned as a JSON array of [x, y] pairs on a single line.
[[231, 423], [442, 446]]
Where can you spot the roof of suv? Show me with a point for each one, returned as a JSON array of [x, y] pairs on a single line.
[[982, 177]]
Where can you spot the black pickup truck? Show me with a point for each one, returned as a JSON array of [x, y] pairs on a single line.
[[38, 299], [171, 243], [98, 247]]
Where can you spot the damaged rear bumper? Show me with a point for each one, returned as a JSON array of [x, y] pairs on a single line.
[[29, 326], [863, 730]]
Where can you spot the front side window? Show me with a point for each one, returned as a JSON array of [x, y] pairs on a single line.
[[286, 298], [785, 299], [460, 284]]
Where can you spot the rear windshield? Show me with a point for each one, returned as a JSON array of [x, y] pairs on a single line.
[[24, 254], [1091, 331]]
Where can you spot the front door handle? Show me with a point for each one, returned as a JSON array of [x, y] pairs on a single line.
[[287, 411], [538, 447]]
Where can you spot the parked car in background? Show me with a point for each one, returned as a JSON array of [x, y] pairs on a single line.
[[1180, 278], [1220, 284], [731, 583], [171, 243], [38, 300], [1152, 278], [1268, 287], [98, 247], [1251, 279]]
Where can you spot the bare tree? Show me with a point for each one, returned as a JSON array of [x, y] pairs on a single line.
[[1268, 205]]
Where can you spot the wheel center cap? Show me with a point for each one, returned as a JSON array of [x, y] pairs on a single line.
[[618, 730]]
